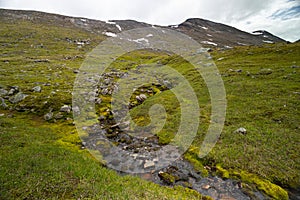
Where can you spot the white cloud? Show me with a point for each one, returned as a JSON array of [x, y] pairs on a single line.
[[248, 15], [288, 29]]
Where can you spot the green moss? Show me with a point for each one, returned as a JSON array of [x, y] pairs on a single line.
[[168, 178], [266, 186], [195, 161], [165, 137], [156, 90], [222, 172], [192, 192], [141, 120]]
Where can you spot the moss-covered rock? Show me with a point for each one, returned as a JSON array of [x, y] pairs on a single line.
[[195, 161], [266, 186], [167, 178], [222, 172], [270, 189]]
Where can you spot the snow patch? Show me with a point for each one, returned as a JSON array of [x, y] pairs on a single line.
[[109, 22], [257, 33], [207, 42], [209, 35], [114, 23], [228, 47], [149, 35], [110, 34], [268, 41], [205, 28], [83, 20], [174, 26], [141, 40], [119, 27], [239, 43], [265, 36]]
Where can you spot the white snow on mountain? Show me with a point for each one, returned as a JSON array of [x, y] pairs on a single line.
[[141, 40], [268, 41], [119, 27], [207, 42], [114, 23], [109, 22], [239, 43], [228, 47], [110, 34], [257, 33]]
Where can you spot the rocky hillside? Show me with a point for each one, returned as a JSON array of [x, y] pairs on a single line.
[[208, 33], [220, 35]]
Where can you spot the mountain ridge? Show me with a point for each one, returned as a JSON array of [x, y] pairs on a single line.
[[206, 32]]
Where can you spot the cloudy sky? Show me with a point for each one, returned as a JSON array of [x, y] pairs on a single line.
[[280, 17]]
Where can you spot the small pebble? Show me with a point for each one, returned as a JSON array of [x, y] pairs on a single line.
[[205, 187]]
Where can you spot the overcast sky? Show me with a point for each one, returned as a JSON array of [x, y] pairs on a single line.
[[280, 17]]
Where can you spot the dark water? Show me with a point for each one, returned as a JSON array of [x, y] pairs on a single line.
[[294, 194]]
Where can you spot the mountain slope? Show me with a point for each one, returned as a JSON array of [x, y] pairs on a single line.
[[206, 32], [216, 34]]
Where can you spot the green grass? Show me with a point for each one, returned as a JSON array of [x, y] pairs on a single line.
[[273, 190], [263, 97], [40, 159], [268, 107], [35, 164], [26, 42]]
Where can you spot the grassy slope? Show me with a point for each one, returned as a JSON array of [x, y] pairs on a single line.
[[44, 160], [265, 104], [36, 164], [263, 97]]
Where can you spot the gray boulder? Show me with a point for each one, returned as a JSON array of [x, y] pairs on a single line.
[[48, 116], [17, 98], [65, 108], [3, 92], [37, 89], [2, 103], [13, 90]]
